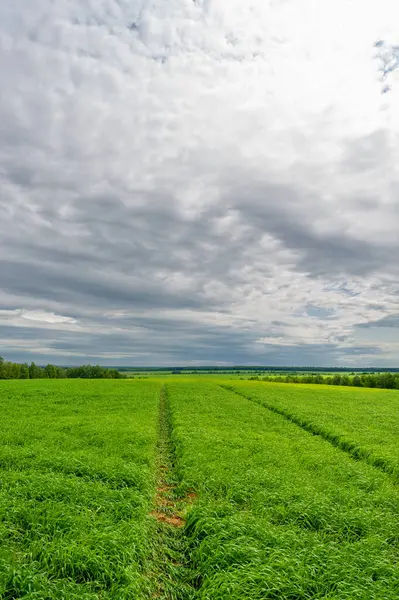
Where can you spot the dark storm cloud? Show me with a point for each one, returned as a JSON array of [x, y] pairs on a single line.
[[49, 282], [206, 347], [278, 210]]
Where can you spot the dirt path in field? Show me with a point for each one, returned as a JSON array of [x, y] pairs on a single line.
[[173, 572], [166, 503]]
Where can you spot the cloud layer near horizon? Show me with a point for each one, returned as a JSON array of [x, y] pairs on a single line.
[[209, 181]]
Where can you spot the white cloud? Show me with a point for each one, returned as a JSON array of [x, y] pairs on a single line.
[[20, 316]]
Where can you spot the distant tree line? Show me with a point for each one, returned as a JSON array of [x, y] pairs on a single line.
[[11, 370], [258, 369], [385, 380], [90, 372]]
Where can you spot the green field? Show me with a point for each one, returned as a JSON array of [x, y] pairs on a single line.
[[198, 488], [77, 480], [363, 422]]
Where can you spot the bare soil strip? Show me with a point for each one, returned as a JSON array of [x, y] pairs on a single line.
[[351, 448], [172, 574]]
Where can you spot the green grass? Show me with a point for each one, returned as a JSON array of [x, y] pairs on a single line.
[[278, 513], [77, 482], [281, 513], [361, 421]]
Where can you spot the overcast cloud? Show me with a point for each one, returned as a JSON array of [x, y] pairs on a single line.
[[199, 182]]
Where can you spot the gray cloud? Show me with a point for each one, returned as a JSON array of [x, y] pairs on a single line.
[[391, 321], [173, 182], [279, 211]]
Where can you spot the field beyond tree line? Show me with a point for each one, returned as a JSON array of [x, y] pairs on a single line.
[[189, 488]]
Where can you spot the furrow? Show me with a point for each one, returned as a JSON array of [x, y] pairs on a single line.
[[351, 448], [171, 572]]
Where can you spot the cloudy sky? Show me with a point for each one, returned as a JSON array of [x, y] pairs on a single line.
[[199, 182]]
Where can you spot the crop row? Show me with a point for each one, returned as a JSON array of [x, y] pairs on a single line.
[[281, 513], [77, 483], [363, 422]]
